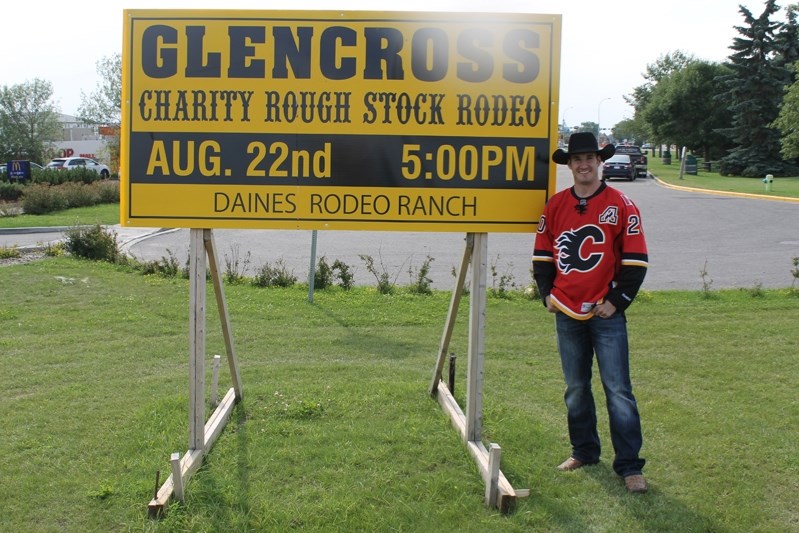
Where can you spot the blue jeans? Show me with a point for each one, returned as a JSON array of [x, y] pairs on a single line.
[[578, 341]]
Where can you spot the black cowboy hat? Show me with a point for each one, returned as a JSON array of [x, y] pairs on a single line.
[[583, 142]]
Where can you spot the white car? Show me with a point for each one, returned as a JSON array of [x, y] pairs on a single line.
[[68, 163]]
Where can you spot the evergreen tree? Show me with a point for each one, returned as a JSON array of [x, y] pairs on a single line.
[[755, 89]]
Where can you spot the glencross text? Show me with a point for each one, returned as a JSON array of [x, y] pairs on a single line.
[[168, 52]]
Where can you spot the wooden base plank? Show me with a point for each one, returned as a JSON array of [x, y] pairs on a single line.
[[192, 460], [506, 497]]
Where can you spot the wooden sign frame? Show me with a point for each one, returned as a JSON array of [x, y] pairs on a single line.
[[202, 433], [499, 492]]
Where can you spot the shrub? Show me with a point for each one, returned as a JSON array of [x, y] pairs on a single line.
[[531, 292], [107, 191], [168, 267], [79, 194], [420, 282], [92, 242], [235, 266], [57, 177], [346, 278], [41, 198], [10, 192], [501, 284], [384, 283], [9, 252], [323, 275], [277, 276]]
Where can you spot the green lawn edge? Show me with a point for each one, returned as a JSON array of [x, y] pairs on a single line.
[[337, 432]]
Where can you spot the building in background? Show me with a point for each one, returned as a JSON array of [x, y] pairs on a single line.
[[79, 139]]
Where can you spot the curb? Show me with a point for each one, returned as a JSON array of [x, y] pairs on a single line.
[[725, 193], [35, 229], [124, 241]]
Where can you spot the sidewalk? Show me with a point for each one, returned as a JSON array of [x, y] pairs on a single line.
[[39, 237]]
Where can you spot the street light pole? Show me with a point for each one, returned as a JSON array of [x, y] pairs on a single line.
[[563, 116], [598, 110]]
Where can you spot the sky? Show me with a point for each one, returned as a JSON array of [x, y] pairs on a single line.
[[605, 46]]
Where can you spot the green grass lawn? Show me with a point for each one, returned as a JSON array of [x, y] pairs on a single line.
[[105, 214], [781, 186], [337, 432]]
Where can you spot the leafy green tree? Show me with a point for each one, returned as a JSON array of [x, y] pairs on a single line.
[[687, 108], [593, 127], [28, 121], [787, 121], [663, 67], [631, 130], [104, 105], [755, 89]]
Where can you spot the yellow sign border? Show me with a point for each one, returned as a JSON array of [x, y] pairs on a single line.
[[518, 207]]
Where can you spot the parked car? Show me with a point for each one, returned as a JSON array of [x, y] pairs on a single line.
[[69, 163], [639, 158], [619, 166]]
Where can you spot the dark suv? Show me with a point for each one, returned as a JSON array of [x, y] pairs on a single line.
[[637, 156]]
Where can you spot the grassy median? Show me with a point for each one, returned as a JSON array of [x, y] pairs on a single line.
[[337, 432], [787, 187]]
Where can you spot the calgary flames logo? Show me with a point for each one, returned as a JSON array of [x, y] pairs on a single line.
[[570, 245]]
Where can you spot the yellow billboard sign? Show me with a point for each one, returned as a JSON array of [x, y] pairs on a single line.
[[338, 120]]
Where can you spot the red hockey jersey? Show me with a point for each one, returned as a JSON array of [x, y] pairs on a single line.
[[597, 248]]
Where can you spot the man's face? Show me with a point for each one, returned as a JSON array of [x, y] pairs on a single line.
[[585, 168]]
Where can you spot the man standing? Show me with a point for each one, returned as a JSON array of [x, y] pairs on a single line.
[[589, 261]]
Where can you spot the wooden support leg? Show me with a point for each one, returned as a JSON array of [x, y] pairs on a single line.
[[202, 434], [224, 316], [477, 314], [197, 272], [492, 483], [452, 314], [215, 382], [177, 477]]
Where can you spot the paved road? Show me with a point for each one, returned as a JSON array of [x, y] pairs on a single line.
[[741, 242]]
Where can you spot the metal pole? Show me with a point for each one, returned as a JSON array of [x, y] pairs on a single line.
[[312, 268], [451, 380], [598, 111]]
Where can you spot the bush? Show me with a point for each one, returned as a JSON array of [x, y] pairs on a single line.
[[58, 177], [9, 253], [345, 276], [107, 191], [384, 283], [10, 192], [323, 275], [168, 267], [92, 242], [42, 198], [39, 199], [79, 194], [420, 281], [277, 276]]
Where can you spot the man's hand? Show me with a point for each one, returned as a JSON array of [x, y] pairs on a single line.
[[604, 310], [550, 306]]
